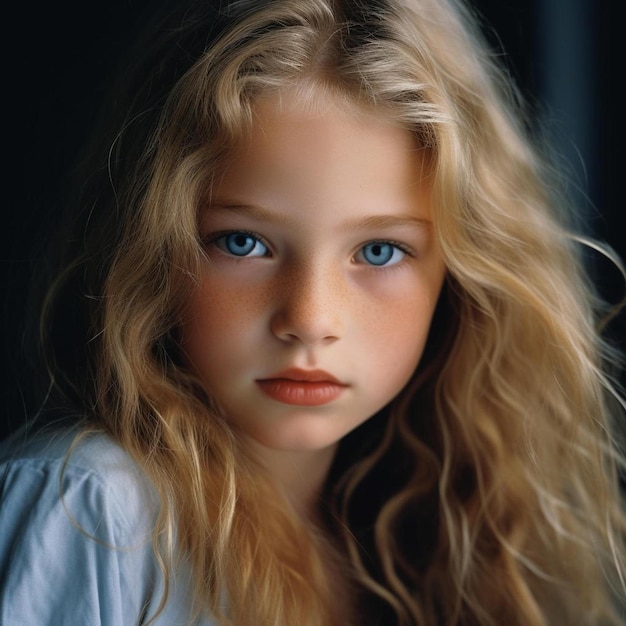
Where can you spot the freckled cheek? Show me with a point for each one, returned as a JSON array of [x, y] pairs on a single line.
[[396, 326], [400, 330], [222, 311]]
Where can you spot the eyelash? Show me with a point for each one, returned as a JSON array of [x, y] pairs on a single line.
[[216, 237], [387, 242]]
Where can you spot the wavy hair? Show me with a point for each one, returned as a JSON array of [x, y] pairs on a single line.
[[487, 492]]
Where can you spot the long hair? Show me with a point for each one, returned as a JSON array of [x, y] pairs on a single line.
[[487, 492]]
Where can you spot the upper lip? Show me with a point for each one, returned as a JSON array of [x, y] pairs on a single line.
[[310, 376]]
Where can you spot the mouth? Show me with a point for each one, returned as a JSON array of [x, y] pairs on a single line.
[[302, 387]]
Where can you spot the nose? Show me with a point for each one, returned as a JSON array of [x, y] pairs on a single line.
[[310, 307]]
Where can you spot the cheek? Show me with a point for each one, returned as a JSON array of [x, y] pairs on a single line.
[[218, 318], [396, 331], [401, 331], [228, 302]]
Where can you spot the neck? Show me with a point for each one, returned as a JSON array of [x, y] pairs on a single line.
[[299, 476]]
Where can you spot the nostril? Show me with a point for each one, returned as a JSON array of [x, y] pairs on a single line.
[[310, 309], [308, 330]]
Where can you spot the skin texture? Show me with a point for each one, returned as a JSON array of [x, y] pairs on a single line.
[[310, 187]]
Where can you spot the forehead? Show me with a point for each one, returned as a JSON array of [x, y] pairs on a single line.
[[306, 156], [322, 135], [320, 115]]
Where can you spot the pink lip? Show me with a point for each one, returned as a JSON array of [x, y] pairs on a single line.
[[302, 387]]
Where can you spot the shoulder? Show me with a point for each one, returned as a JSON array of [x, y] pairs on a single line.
[[76, 519], [88, 475]]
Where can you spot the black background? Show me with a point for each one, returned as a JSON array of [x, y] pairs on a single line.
[[563, 54]]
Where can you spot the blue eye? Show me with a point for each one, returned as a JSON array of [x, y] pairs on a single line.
[[241, 244], [381, 253]]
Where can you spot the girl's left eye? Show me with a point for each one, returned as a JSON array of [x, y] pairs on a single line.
[[241, 244], [381, 253]]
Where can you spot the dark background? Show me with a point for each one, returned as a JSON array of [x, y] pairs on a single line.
[[563, 54]]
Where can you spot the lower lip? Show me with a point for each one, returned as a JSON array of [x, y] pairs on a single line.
[[301, 392]]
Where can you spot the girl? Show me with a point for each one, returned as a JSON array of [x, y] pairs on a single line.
[[321, 350]]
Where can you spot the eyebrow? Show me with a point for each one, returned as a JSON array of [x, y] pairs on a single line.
[[370, 222]]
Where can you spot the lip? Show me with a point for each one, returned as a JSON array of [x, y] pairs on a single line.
[[302, 387], [309, 376]]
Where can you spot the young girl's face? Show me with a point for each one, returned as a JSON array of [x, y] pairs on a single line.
[[321, 276]]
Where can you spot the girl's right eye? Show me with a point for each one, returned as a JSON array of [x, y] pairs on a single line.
[[241, 244]]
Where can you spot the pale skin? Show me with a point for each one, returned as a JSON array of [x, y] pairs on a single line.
[[320, 255]]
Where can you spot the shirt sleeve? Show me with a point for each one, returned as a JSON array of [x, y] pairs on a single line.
[[74, 548]]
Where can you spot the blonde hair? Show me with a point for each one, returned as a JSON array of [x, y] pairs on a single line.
[[487, 492]]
